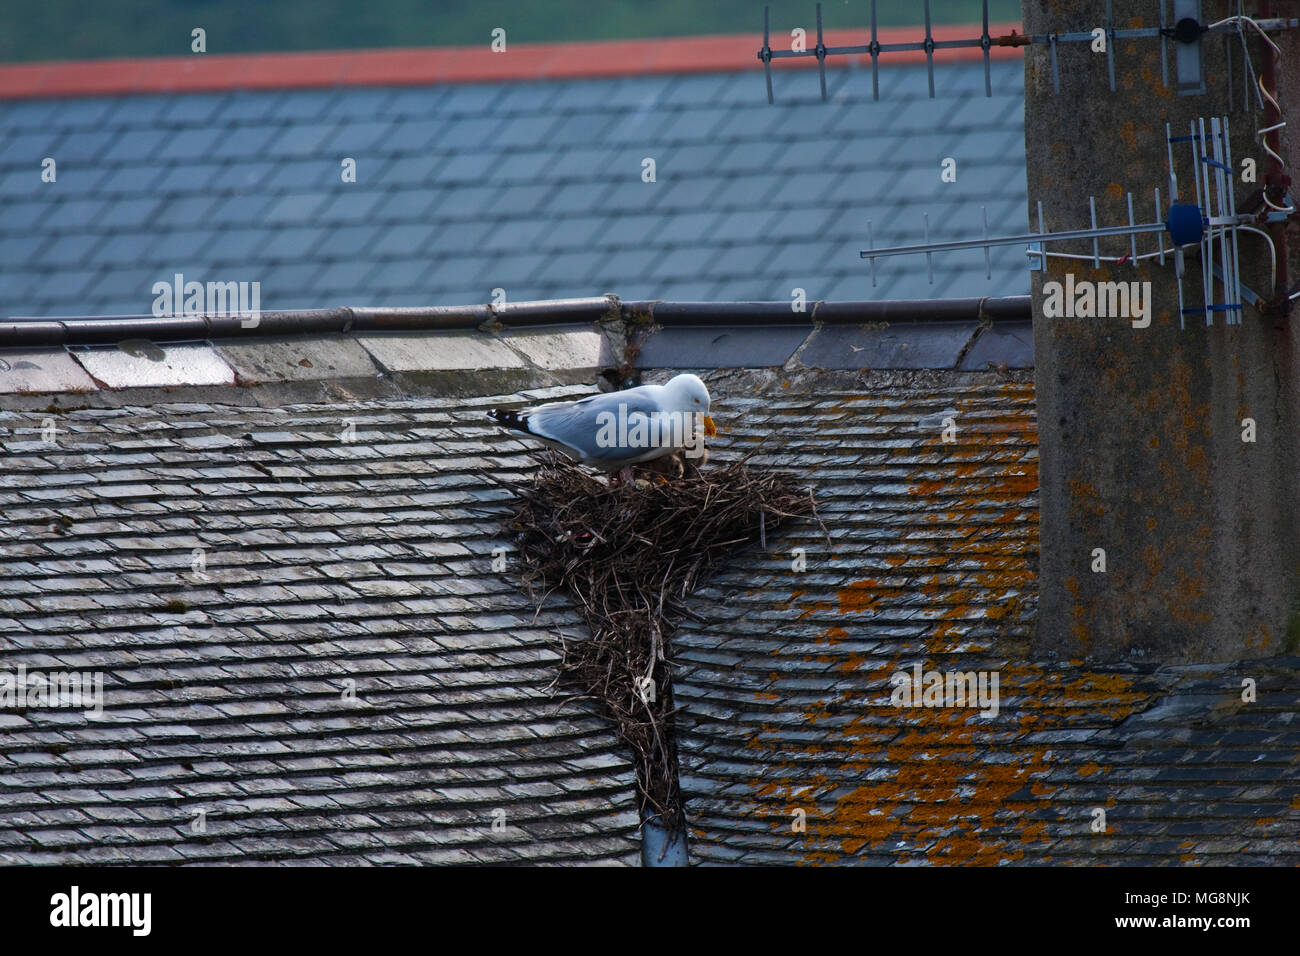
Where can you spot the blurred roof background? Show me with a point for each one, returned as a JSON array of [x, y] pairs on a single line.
[[73, 30], [528, 184]]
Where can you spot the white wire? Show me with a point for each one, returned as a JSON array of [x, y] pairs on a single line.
[[1272, 250], [1261, 134]]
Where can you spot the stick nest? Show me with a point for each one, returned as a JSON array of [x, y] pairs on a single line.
[[632, 554]]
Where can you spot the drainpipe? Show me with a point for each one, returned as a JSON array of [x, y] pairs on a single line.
[[661, 846]]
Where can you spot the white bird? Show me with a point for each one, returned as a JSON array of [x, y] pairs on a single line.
[[615, 430]]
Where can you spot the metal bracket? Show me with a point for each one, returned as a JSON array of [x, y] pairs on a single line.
[[1188, 60]]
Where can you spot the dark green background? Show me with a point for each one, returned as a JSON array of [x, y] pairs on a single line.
[[89, 29]]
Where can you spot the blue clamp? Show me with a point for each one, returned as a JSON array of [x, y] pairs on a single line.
[[1186, 225]]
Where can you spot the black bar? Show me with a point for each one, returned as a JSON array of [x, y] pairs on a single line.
[[765, 54], [821, 52], [875, 55], [929, 48], [343, 907], [986, 42]]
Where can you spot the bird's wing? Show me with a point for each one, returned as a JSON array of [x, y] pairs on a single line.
[[578, 425]]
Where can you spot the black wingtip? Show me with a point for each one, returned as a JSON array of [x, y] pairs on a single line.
[[507, 418]]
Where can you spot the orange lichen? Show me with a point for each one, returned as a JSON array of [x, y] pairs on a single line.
[[834, 635], [940, 797]]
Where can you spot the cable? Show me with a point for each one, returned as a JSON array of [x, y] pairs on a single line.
[[1121, 260], [1263, 92]]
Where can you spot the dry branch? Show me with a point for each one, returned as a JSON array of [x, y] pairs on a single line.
[[632, 555]]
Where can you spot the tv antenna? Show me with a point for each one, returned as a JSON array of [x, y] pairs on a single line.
[[1212, 224], [1180, 21]]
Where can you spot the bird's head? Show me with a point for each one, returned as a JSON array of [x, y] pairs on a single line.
[[689, 394]]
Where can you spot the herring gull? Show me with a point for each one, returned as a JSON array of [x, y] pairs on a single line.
[[615, 430]]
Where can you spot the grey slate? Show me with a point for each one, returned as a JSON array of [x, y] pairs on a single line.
[[564, 153], [242, 713]]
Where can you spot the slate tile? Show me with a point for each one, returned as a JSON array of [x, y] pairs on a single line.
[[189, 177], [580, 129], [189, 144], [522, 167], [25, 183], [75, 214], [458, 236], [524, 131], [300, 175], [62, 286], [247, 141], [688, 195], [361, 103], [343, 277], [342, 243], [132, 179], [244, 107], [185, 211], [295, 208], [360, 137], [402, 240], [580, 232], [71, 250], [292, 243], [18, 251], [408, 171], [350, 205], [466, 167], [753, 124], [29, 148], [132, 284], [134, 146], [236, 245], [518, 235], [128, 214], [288, 279], [696, 89], [469, 99], [743, 226], [455, 271], [510, 270], [576, 199], [27, 114], [87, 110], [301, 139], [516, 201]]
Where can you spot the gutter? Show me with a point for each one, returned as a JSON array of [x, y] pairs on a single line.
[[29, 332]]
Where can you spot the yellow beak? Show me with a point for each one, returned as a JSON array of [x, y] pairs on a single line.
[[710, 429]]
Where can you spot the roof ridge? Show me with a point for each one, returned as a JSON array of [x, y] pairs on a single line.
[[418, 66]]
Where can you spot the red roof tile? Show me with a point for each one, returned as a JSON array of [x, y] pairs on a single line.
[[418, 66]]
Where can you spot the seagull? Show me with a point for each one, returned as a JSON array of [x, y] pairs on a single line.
[[615, 430]]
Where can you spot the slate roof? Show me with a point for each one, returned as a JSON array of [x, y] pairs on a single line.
[[371, 560], [785, 685], [325, 562], [533, 187]]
